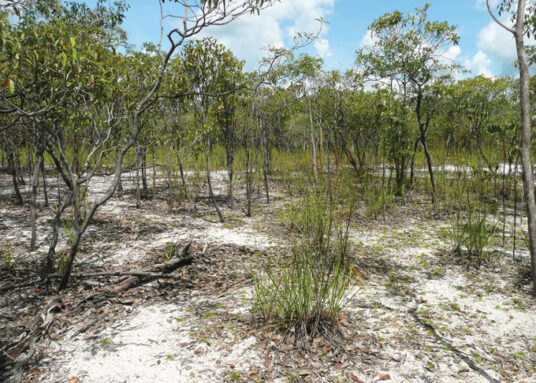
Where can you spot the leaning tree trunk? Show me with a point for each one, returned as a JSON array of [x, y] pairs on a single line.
[[526, 162], [423, 127], [412, 166], [430, 168]]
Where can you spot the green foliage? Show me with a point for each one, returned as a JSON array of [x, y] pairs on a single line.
[[6, 252], [472, 234], [306, 292], [67, 226], [61, 264], [377, 201], [171, 250]]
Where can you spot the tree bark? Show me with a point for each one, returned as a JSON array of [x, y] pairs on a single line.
[[13, 171], [144, 171], [43, 174], [526, 162], [423, 127], [33, 205], [211, 192], [313, 144], [181, 170], [412, 166], [248, 180], [137, 163]]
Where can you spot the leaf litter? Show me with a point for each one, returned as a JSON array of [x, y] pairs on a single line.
[[418, 315]]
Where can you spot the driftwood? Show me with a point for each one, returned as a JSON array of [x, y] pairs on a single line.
[[160, 270]]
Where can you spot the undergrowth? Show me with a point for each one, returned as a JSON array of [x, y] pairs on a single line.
[[306, 293]]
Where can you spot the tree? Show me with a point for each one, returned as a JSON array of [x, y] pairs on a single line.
[[524, 19], [408, 51], [211, 72], [73, 87], [305, 72]]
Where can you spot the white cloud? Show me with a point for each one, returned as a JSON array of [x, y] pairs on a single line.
[[367, 41], [481, 4], [479, 64], [275, 26], [498, 44], [496, 51], [322, 48], [452, 53]]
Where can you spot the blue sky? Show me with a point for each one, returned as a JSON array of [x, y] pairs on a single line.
[[484, 48]]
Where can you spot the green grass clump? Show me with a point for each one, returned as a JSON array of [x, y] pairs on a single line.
[[472, 234], [307, 292]]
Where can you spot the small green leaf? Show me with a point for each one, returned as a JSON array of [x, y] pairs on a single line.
[[73, 42]]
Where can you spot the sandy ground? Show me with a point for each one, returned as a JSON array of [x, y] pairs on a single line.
[[417, 314]]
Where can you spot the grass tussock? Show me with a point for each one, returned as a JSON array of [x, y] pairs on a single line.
[[306, 293]]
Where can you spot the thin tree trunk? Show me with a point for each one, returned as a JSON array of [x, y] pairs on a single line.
[[137, 162], [526, 162], [313, 144], [49, 262], [423, 127], [412, 166], [154, 171], [248, 181], [266, 165], [44, 182], [13, 171], [211, 193], [33, 205], [144, 171], [181, 170], [430, 168], [229, 158], [515, 211], [349, 154]]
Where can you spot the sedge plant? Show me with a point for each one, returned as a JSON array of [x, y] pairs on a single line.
[[306, 292]]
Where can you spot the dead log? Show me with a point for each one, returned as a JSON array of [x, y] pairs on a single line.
[[156, 271]]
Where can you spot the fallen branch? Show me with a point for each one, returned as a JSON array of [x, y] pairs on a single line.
[[160, 270]]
